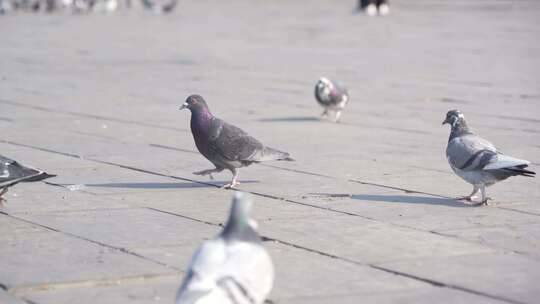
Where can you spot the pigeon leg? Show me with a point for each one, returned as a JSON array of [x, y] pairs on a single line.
[[338, 116], [325, 113], [484, 197], [470, 196], [234, 180], [208, 172], [2, 192]]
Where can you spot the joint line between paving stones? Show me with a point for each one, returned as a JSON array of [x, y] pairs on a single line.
[[92, 116], [120, 249], [435, 283], [373, 266], [252, 192], [178, 178], [28, 301], [91, 283], [444, 285]]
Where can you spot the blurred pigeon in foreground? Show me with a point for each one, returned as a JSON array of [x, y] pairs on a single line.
[[331, 96], [11, 173], [476, 160], [226, 146], [232, 268]]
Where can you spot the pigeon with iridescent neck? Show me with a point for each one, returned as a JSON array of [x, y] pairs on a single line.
[[11, 173], [226, 146], [476, 160], [232, 268], [332, 97]]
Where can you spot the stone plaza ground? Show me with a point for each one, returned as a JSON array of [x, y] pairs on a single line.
[[366, 213]]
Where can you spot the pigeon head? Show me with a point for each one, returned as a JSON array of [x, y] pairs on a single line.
[[324, 85], [454, 118], [240, 226], [195, 103]]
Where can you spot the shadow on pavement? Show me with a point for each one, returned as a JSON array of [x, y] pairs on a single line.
[[182, 185], [298, 119], [409, 199]]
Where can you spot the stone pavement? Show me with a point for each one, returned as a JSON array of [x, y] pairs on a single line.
[[364, 215]]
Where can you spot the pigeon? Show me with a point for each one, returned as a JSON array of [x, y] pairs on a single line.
[[476, 160], [225, 145], [332, 96], [233, 267], [371, 6], [11, 173]]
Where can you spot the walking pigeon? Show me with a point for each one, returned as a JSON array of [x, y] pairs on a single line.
[[476, 160], [11, 173], [332, 96], [232, 268], [226, 146]]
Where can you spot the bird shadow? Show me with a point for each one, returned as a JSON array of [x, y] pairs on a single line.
[[407, 199], [410, 199], [184, 185], [291, 119]]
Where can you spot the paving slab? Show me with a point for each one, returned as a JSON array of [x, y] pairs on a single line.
[[7, 298], [487, 273], [160, 289], [38, 256], [375, 188]]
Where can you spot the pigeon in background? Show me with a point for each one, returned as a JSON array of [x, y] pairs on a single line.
[[11, 173], [226, 146], [332, 96], [232, 268], [371, 7], [476, 160]]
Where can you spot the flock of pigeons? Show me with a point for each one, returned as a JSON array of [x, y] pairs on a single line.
[[234, 267]]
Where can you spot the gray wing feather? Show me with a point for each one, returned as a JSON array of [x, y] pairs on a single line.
[[234, 144], [11, 172], [470, 152]]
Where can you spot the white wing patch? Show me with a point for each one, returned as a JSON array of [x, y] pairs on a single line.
[[5, 174]]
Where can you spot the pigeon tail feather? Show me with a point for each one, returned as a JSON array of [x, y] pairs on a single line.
[[504, 162], [39, 177], [268, 153], [520, 170]]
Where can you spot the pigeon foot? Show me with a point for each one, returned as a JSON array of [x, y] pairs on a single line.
[[480, 203], [485, 201], [3, 200], [464, 198], [230, 185]]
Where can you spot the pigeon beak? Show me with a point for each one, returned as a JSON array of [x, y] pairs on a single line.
[[445, 121], [184, 106]]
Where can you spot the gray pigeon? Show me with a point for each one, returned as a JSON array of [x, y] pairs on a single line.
[[11, 173], [476, 160], [332, 96], [234, 267], [226, 146]]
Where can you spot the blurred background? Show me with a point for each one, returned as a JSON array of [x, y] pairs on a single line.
[[90, 90]]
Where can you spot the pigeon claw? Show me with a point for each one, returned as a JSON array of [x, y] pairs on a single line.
[[230, 185], [464, 198], [485, 201]]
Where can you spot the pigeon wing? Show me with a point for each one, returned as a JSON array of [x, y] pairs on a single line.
[[11, 172], [470, 152], [504, 161], [250, 268], [200, 284], [232, 143]]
